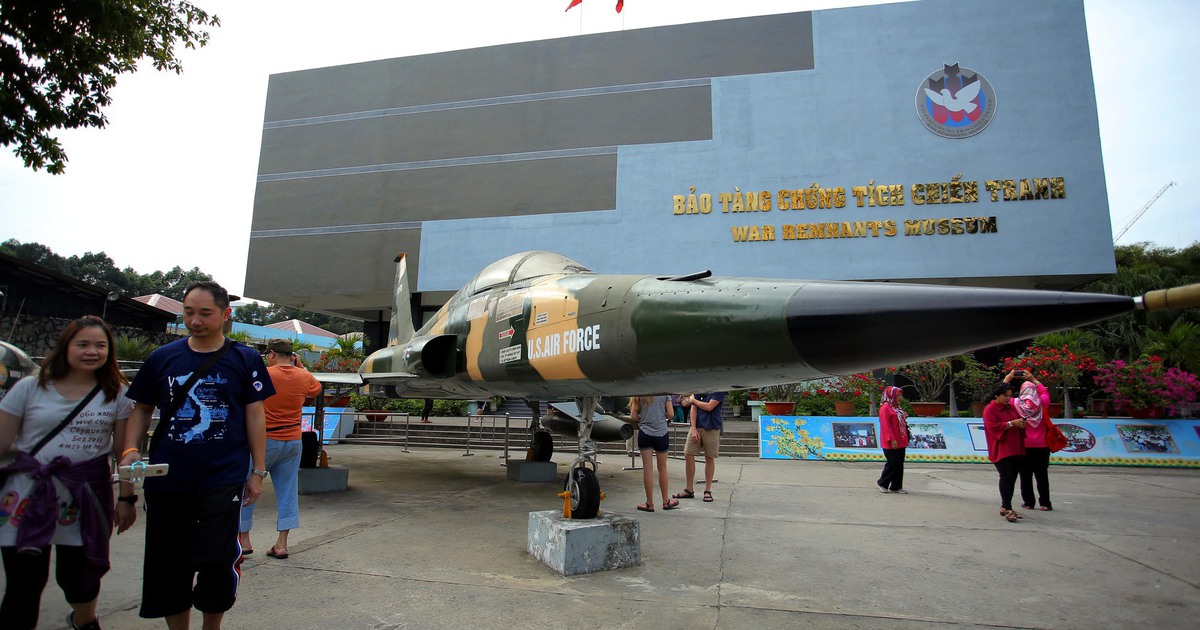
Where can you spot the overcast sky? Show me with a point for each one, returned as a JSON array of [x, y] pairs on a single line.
[[171, 180]]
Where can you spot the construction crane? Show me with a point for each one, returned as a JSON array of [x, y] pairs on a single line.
[[1141, 211]]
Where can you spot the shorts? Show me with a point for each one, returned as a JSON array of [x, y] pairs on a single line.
[[709, 444], [193, 558], [657, 443]]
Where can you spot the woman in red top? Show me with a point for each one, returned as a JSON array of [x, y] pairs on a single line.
[[1005, 433], [893, 436]]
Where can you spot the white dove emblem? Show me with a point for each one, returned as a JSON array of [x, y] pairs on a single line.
[[960, 102]]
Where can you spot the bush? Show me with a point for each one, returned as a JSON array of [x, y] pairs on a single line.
[[410, 406]]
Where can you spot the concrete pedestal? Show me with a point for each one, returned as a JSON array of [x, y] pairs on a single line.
[[523, 470], [572, 547], [318, 480]]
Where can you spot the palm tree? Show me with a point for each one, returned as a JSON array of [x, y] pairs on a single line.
[[1179, 345]]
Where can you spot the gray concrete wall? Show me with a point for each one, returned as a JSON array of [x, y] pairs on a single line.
[[580, 145]]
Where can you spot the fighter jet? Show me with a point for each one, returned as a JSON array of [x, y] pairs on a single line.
[[540, 326]]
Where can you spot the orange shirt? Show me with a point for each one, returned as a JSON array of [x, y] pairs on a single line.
[[292, 386]]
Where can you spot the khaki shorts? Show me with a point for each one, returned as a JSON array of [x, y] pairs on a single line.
[[710, 443]]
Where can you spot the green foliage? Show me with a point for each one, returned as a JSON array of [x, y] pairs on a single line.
[[132, 348], [737, 397], [101, 271], [975, 380], [778, 393], [239, 336], [410, 406], [929, 378], [60, 58], [1179, 346]]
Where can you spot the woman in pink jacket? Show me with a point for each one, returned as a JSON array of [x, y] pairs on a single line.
[[1032, 404], [893, 437]]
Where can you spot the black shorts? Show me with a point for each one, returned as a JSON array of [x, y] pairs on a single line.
[[193, 558], [659, 444]]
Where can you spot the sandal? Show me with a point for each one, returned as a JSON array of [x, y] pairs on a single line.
[[1026, 507], [645, 507], [708, 496], [278, 555], [686, 494], [1010, 515], [1045, 508], [671, 505]]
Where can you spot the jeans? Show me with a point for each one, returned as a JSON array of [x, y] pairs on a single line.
[[283, 464]]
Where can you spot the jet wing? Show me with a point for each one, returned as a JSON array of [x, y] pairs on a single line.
[[339, 378]]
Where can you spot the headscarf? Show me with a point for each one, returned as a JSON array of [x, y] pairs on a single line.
[[891, 398], [1029, 404]]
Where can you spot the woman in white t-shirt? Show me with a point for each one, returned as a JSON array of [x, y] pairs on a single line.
[[61, 492]]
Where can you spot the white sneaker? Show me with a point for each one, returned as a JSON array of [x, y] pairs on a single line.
[[900, 491], [882, 489]]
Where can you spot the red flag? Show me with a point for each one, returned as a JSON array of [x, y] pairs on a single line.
[[574, 3], [620, 5]]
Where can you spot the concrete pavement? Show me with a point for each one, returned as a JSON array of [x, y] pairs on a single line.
[[432, 539]]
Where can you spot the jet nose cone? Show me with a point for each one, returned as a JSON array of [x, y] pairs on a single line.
[[843, 327]]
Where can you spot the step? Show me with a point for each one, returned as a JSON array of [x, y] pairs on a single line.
[[491, 437]]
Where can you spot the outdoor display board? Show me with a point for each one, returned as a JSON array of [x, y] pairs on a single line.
[[1097, 442], [333, 421]]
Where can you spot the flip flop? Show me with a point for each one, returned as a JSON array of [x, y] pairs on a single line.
[[671, 505], [1045, 508], [645, 507], [708, 497], [686, 494], [246, 552], [277, 555]]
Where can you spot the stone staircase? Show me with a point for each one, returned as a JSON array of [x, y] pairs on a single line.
[[487, 433]]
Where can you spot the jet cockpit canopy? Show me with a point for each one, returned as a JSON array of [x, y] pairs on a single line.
[[520, 267]]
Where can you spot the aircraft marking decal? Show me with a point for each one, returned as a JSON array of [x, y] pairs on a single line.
[[510, 306], [510, 354], [546, 341]]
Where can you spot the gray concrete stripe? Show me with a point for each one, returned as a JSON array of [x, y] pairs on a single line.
[[336, 229], [448, 162], [486, 102]]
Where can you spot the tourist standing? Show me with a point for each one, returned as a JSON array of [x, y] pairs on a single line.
[[212, 433]]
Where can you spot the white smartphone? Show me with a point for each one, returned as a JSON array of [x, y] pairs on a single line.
[[149, 470]]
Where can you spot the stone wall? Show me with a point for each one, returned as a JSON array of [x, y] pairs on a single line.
[[36, 335]]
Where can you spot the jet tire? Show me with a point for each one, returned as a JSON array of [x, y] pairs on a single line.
[[585, 493], [542, 446]]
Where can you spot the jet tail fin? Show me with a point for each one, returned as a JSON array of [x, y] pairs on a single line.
[[401, 329]]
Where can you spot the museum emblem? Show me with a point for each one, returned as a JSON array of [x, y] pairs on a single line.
[[955, 102]]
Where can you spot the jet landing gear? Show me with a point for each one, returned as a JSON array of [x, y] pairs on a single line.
[[541, 447], [582, 487]]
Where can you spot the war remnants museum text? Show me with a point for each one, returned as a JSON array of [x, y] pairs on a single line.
[[871, 195]]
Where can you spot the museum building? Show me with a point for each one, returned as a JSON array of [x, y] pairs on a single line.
[[942, 141]]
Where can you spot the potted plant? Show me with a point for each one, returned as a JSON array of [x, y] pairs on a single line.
[[1145, 388], [334, 363], [373, 410], [929, 379], [494, 402], [850, 391], [736, 399], [778, 398]]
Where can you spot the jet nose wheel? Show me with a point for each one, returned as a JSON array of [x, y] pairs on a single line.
[[585, 493]]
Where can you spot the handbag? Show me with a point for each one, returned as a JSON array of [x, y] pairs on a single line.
[[1055, 440]]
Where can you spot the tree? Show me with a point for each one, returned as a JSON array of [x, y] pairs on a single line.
[[60, 58]]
